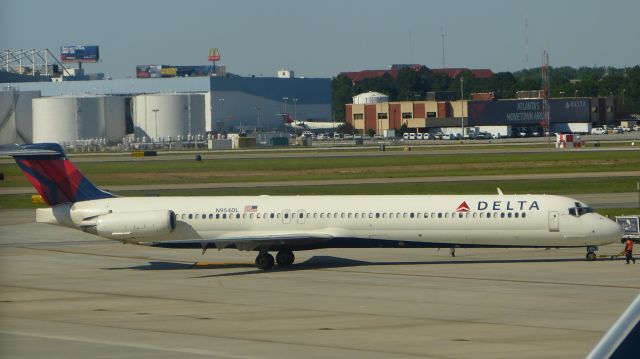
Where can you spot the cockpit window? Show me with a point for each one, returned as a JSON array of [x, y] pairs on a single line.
[[579, 210]]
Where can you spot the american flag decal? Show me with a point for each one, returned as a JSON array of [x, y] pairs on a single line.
[[251, 208]]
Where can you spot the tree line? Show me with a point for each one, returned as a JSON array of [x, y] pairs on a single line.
[[411, 84]]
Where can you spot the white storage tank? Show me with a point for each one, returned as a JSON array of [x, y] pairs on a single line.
[[369, 98], [15, 115], [169, 115], [114, 118], [67, 119]]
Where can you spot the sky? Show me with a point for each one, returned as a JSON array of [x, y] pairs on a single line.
[[324, 38]]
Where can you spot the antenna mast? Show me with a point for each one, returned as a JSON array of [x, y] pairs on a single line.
[[443, 34], [546, 113]]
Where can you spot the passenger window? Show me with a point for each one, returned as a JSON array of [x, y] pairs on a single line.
[[439, 215], [251, 216], [446, 215], [524, 214], [370, 214], [184, 216], [204, 216], [489, 215], [356, 215], [411, 215], [258, 215], [426, 215], [271, 215], [278, 215], [224, 216], [509, 214], [238, 216], [481, 214], [516, 214], [460, 215], [502, 215], [286, 215], [342, 215], [378, 215], [349, 215]]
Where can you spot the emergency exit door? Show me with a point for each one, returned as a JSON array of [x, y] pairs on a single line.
[[554, 221]]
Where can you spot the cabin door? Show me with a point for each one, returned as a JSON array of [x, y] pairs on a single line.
[[554, 221]]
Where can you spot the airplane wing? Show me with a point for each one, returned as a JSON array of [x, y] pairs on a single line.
[[246, 243]]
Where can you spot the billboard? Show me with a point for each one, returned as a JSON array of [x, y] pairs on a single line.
[[78, 53], [155, 71], [528, 112]]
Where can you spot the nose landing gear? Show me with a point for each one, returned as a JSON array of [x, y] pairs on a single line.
[[591, 253]]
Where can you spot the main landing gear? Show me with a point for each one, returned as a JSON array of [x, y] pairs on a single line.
[[264, 260], [591, 253]]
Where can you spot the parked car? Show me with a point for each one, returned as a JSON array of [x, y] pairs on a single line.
[[419, 136], [412, 136], [405, 136], [598, 131]]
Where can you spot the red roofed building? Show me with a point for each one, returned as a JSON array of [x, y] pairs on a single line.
[[357, 76]]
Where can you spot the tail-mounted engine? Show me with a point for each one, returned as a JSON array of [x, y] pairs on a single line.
[[135, 225]]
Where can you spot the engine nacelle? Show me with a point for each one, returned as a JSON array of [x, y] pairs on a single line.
[[136, 225]]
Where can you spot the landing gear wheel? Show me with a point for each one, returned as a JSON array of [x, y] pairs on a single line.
[[591, 253], [285, 258], [264, 261]]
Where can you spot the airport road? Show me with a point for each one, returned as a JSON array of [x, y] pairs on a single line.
[[337, 152], [66, 294]]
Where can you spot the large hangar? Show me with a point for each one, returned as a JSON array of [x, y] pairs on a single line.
[[229, 103], [260, 101]]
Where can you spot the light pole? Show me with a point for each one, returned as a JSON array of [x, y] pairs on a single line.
[[284, 100], [258, 110], [295, 108], [562, 94], [221, 122], [155, 117], [462, 106]]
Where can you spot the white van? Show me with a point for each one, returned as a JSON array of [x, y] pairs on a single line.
[[418, 136], [405, 136], [412, 136], [598, 131]]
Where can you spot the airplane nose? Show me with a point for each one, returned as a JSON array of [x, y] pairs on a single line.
[[610, 231]]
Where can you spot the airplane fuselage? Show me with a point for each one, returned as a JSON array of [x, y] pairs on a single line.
[[350, 221]]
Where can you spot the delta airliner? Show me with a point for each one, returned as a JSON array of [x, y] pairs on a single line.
[[284, 224]]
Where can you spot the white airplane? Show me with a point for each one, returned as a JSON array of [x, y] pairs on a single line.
[[285, 224], [311, 125]]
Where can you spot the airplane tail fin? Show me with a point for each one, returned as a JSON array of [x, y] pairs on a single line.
[[49, 170]]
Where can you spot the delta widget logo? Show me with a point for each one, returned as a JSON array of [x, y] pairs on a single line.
[[463, 207]]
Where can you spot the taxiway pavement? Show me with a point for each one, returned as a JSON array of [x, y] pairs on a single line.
[[67, 294]]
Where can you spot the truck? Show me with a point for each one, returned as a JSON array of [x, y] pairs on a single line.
[[631, 227]]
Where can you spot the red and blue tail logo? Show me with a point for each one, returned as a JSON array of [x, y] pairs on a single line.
[[52, 174]]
